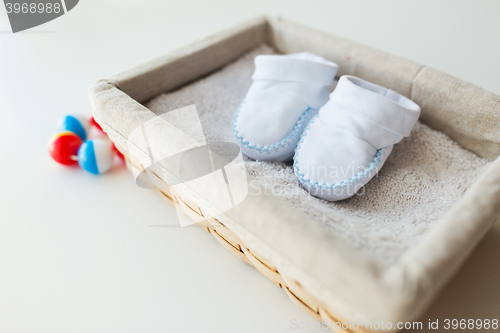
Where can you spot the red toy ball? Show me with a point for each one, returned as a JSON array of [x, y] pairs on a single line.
[[118, 153], [63, 147], [93, 122]]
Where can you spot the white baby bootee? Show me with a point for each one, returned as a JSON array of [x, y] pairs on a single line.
[[286, 92], [347, 143]]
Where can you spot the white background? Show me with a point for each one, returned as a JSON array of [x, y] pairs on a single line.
[[78, 253]]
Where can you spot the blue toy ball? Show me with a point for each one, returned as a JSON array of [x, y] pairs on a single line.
[[96, 156], [76, 124]]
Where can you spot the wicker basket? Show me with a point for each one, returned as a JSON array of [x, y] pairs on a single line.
[[257, 234], [236, 246]]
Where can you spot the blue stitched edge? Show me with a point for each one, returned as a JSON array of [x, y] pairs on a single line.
[[281, 144], [324, 186]]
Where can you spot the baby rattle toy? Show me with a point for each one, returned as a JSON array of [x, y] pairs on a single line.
[[71, 145]]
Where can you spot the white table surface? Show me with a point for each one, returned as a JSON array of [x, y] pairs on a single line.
[[78, 253]]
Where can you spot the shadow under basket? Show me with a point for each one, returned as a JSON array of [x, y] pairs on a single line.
[[376, 259]]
